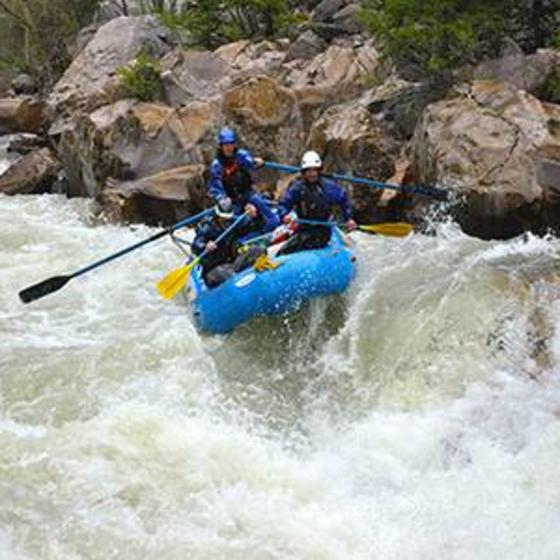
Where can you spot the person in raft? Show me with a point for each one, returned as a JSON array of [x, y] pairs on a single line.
[[312, 197], [222, 260], [231, 184]]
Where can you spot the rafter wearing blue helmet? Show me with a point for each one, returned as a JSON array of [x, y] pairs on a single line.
[[231, 183]]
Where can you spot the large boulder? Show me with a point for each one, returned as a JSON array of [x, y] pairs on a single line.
[[24, 84], [346, 19], [20, 114], [159, 199], [491, 144], [129, 140], [537, 73], [91, 80], [189, 75], [307, 45], [197, 74], [267, 116], [31, 174], [253, 59], [352, 142], [399, 104], [327, 9], [338, 74]]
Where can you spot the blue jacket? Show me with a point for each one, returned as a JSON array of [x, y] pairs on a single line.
[[210, 228], [216, 189], [315, 201], [267, 220]]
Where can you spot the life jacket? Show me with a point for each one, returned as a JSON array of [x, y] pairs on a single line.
[[313, 204], [225, 252], [236, 179]]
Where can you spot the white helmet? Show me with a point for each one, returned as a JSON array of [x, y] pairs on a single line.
[[311, 160]]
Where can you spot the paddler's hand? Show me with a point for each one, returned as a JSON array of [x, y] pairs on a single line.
[[259, 161], [211, 246], [351, 225], [251, 210]]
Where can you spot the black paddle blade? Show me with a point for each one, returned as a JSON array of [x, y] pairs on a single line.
[[424, 190], [43, 288]]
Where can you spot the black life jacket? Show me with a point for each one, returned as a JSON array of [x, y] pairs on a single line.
[[236, 179], [226, 251], [313, 204]]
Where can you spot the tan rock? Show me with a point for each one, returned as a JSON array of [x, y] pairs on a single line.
[[231, 51], [267, 116], [488, 144], [162, 198], [342, 72], [352, 142], [20, 114], [31, 174], [133, 140]]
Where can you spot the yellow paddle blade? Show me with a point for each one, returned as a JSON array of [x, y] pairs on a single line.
[[173, 281], [264, 262], [395, 229]]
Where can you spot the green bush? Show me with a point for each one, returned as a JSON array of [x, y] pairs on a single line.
[[432, 36], [212, 22], [142, 78]]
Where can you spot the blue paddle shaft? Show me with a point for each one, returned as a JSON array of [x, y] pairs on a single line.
[[182, 223], [222, 235], [418, 189]]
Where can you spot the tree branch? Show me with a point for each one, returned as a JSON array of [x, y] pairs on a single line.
[[15, 15]]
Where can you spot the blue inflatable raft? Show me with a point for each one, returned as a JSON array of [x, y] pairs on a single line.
[[300, 277]]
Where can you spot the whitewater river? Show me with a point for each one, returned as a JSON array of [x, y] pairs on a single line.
[[418, 417]]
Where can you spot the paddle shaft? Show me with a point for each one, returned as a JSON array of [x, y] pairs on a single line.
[[440, 194], [55, 283], [222, 235], [183, 223]]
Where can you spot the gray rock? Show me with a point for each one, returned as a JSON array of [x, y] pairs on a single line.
[[188, 75], [307, 46], [22, 144], [159, 199], [91, 80], [534, 73], [346, 19], [325, 11], [107, 11], [24, 84]]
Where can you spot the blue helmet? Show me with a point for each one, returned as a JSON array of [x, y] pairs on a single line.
[[227, 136]]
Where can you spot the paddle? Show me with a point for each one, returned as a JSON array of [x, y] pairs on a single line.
[[55, 283], [394, 229], [438, 194], [174, 280]]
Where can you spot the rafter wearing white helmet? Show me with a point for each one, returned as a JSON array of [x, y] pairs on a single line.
[[311, 160]]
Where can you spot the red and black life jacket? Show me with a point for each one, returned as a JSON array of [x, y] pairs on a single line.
[[236, 179]]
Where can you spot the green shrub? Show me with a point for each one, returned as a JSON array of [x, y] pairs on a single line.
[[433, 36], [142, 78], [212, 22]]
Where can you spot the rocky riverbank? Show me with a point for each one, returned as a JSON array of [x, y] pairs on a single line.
[[492, 137]]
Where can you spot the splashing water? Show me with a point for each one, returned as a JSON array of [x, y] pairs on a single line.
[[416, 417]]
